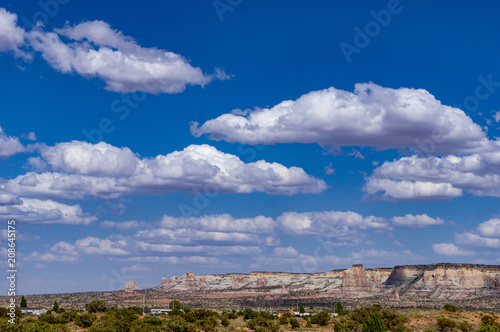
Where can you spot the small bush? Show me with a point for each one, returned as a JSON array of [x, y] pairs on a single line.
[[294, 323], [445, 324], [85, 320], [284, 320], [450, 307]]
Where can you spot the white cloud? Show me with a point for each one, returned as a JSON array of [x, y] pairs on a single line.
[[490, 228], [83, 158], [51, 258], [104, 171], [183, 260], [449, 249], [421, 220], [328, 223], [384, 257], [8, 199], [94, 49], [288, 252], [36, 211], [475, 240], [338, 228], [93, 246], [371, 116], [123, 225], [435, 178], [9, 145], [329, 170], [192, 236], [497, 116], [221, 223], [12, 37]]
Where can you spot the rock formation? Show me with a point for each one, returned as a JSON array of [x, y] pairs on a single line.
[[443, 281], [131, 286]]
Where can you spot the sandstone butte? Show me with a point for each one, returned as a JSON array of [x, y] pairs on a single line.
[[435, 281]]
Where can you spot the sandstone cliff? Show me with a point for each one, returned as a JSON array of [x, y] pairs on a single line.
[[454, 281]]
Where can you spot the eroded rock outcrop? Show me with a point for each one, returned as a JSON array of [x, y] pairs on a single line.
[[434, 281], [131, 286]]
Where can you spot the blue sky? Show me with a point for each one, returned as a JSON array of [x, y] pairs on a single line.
[[141, 142]]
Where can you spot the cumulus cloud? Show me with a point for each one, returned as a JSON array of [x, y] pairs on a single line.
[[84, 158], [285, 252], [490, 228], [45, 212], [94, 49], [373, 116], [497, 116], [485, 238], [221, 223], [123, 225], [51, 258], [104, 171], [385, 257], [421, 220], [475, 240], [9, 145], [338, 227], [12, 37], [192, 236], [449, 249], [437, 178]]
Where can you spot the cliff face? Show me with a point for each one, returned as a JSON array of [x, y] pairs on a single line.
[[433, 281]]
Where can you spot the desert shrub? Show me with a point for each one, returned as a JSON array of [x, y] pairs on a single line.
[[445, 324], [147, 324], [202, 318], [224, 321], [465, 326], [284, 320], [85, 320], [294, 323], [261, 324], [51, 319], [38, 326], [231, 315], [338, 327], [374, 323], [268, 315], [450, 307], [70, 315], [249, 314], [308, 323], [489, 324], [178, 324], [394, 321], [96, 306], [323, 318]]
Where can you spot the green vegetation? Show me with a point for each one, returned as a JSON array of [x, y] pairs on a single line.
[[24, 303], [96, 306], [450, 307], [99, 317]]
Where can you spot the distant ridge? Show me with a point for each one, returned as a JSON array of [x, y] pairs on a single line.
[[440, 280]]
